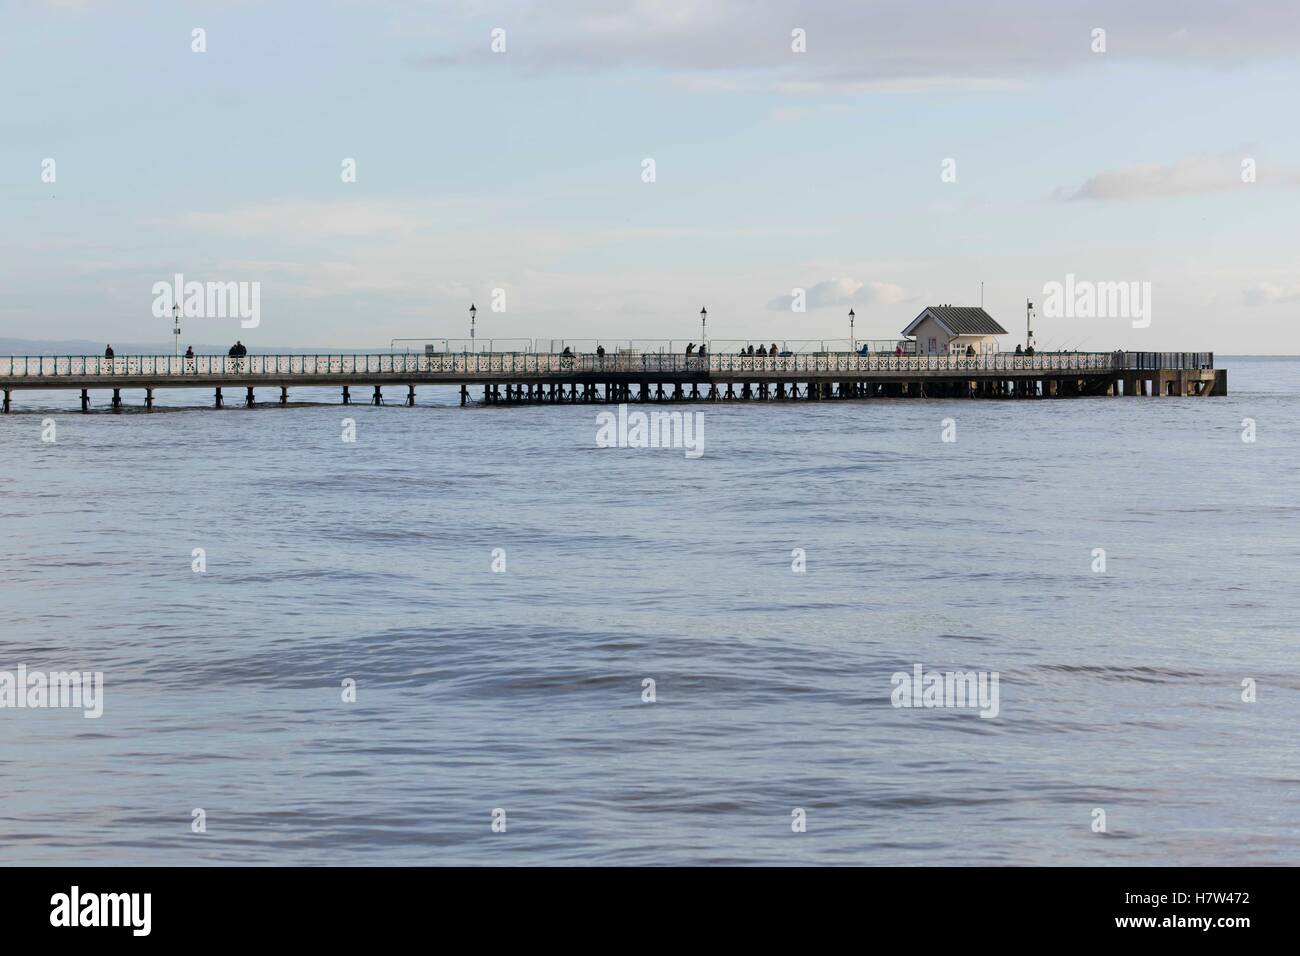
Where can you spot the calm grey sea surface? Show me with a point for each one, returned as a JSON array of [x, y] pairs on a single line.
[[522, 690]]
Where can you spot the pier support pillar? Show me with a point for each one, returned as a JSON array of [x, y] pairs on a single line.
[[284, 394], [148, 398], [216, 400], [379, 396], [347, 399], [6, 401], [249, 401], [117, 399], [85, 400]]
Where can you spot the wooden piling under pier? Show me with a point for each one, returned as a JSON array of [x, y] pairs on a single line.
[[513, 378]]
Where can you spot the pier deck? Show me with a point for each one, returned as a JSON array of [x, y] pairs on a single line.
[[551, 377]]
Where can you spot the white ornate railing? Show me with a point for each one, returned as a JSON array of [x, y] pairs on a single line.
[[531, 364]]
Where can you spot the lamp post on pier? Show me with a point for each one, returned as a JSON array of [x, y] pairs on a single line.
[[473, 312], [704, 317], [853, 342], [176, 328]]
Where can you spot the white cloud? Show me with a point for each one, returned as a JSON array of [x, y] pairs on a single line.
[[1269, 293], [1194, 175], [843, 292], [324, 220], [855, 47]]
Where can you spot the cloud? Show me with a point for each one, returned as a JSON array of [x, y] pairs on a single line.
[[322, 220], [1195, 175], [843, 292], [1269, 293], [854, 47]]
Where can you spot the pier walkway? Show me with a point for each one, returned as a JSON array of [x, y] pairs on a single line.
[[533, 377]]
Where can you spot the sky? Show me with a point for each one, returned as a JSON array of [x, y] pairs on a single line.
[[908, 152]]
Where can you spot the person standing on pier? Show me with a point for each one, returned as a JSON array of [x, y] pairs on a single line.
[[108, 351]]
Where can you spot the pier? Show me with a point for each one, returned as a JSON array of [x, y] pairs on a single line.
[[511, 378]]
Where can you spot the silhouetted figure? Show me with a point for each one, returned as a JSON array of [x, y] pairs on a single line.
[[702, 350], [189, 351], [238, 350], [970, 351], [600, 351], [1019, 350], [108, 351], [690, 347], [762, 350], [751, 350], [772, 350], [1030, 350], [898, 351], [566, 352]]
